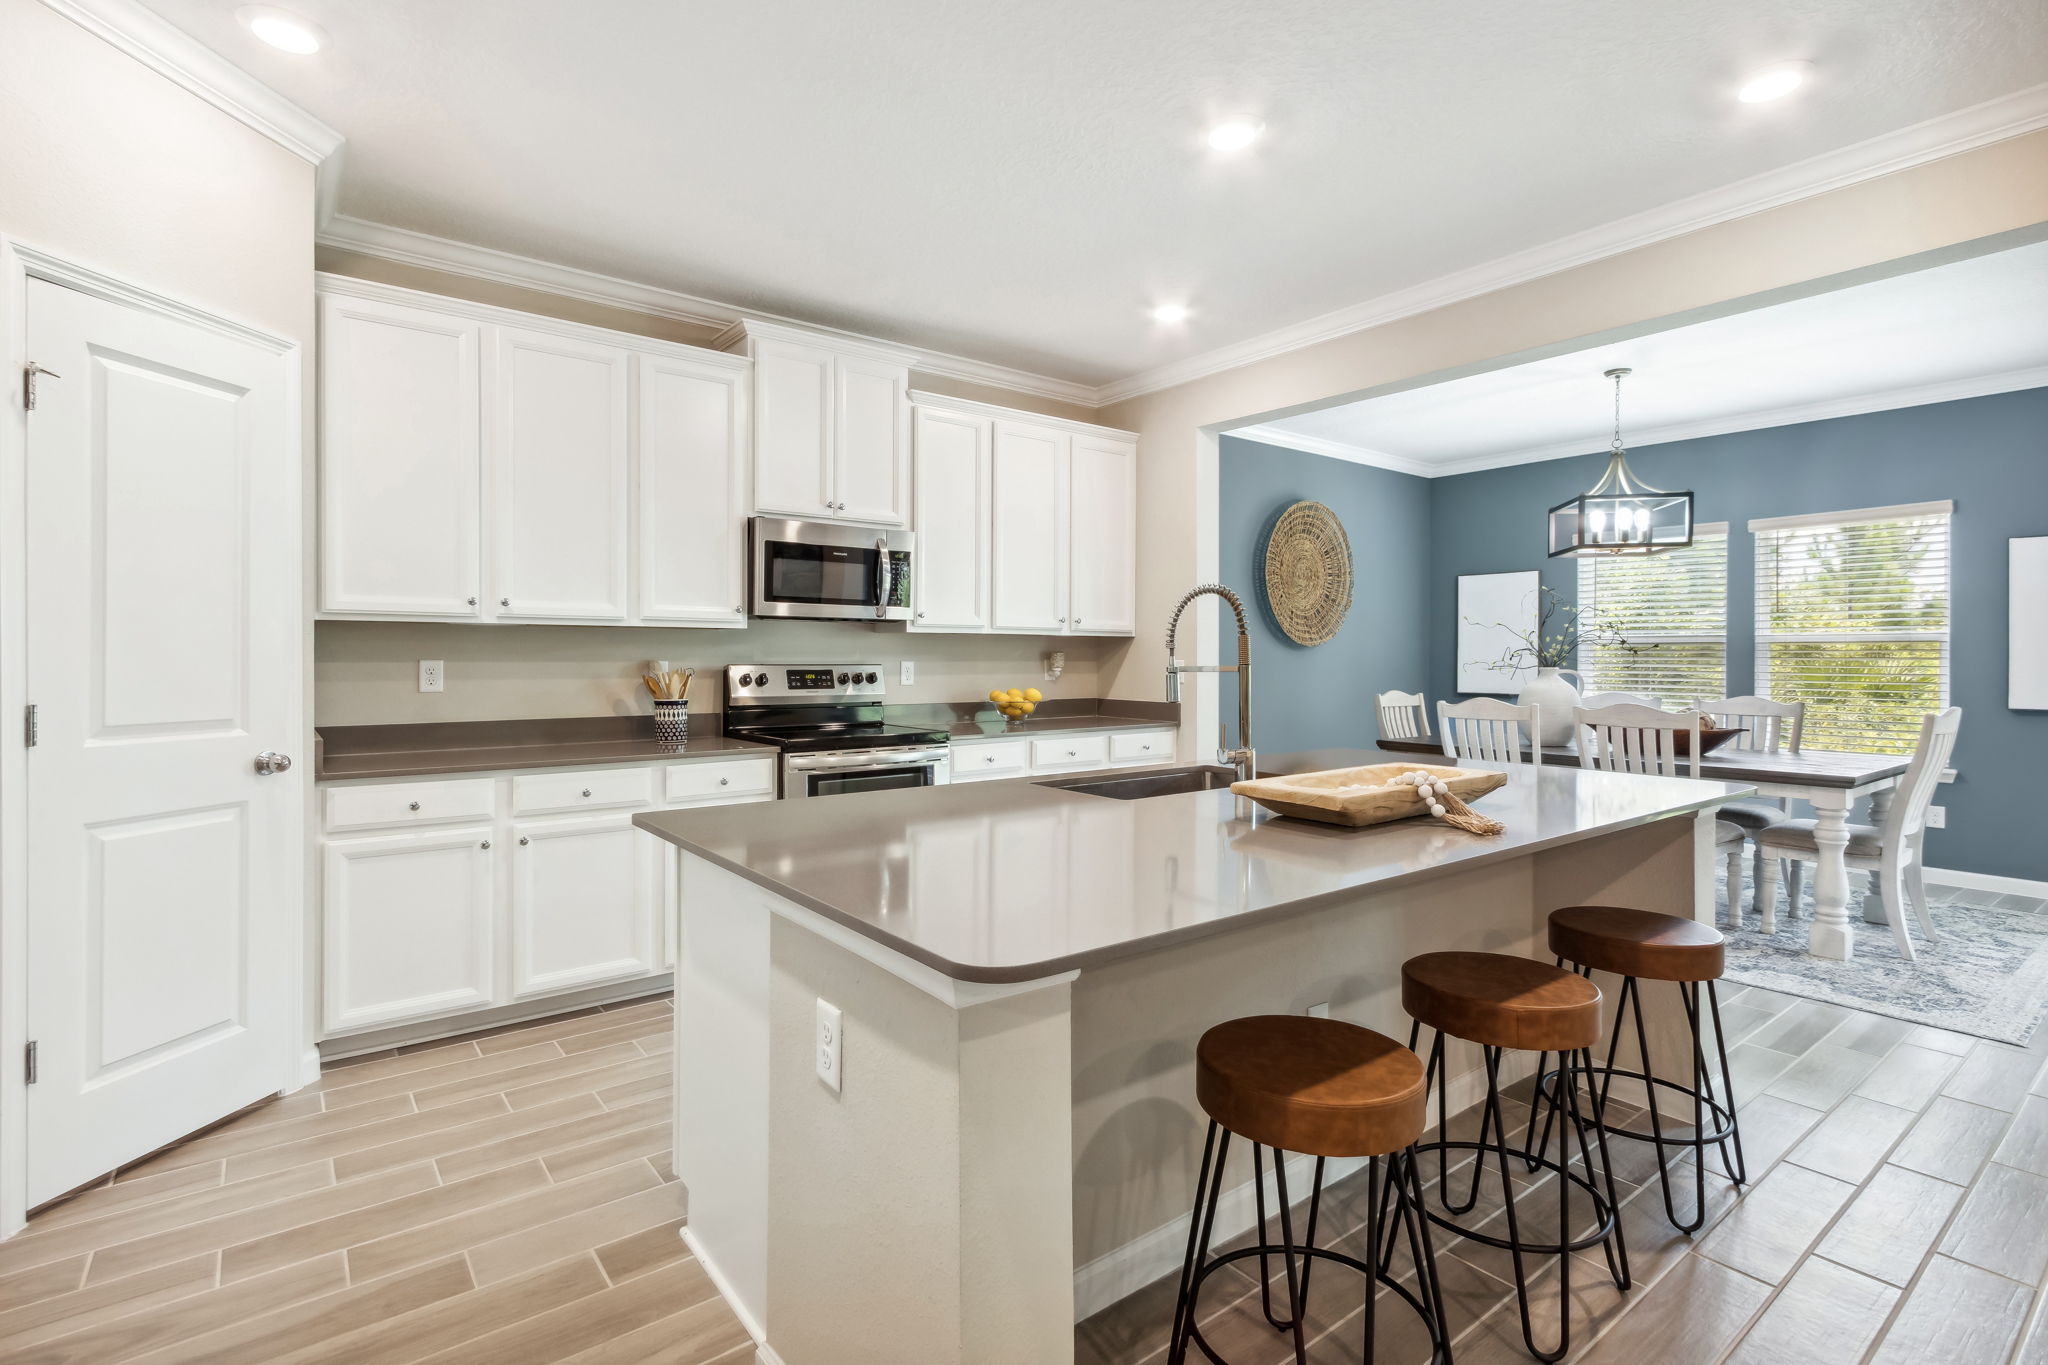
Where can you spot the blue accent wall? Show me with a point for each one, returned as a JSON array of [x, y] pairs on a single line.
[[1988, 455], [1303, 697]]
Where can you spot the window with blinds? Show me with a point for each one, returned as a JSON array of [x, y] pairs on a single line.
[[1852, 618], [1673, 610]]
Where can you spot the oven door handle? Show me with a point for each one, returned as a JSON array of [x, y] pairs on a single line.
[[864, 760]]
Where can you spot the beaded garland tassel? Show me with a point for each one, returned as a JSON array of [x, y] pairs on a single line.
[[1431, 791]]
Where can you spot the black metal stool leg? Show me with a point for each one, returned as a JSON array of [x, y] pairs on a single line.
[[1196, 1237], [1738, 1169], [1201, 1224]]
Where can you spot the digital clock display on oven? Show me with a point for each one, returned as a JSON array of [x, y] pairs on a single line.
[[809, 679]]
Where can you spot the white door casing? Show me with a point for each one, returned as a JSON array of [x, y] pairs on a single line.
[[952, 474], [690, 439], [558, 475], [163, 638]]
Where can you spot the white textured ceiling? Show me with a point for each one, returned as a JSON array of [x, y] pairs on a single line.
[[1971, 327], [1018, 182]]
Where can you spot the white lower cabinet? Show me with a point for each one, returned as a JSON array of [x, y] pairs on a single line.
[[1060, 751], [584, 904], [408, 926], [530, 885]]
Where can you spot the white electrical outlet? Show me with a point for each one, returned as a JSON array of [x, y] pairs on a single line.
[[1937, 817], [1319, 1010], [430, 675], [909, 673], [828, 1044]]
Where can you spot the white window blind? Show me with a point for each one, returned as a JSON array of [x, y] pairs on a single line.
[[1852, 618], [1673, 609]]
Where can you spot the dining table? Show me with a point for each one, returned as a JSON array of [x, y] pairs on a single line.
[[1830, 782]]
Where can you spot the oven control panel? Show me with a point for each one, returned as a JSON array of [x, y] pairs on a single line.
[[760, 683]]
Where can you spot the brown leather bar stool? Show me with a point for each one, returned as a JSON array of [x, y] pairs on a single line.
[[1321, 1088], [1502, 1002], [1639, 946]]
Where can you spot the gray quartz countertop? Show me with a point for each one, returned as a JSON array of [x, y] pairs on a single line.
[[997, 728], [438, 749], [1012, 881]]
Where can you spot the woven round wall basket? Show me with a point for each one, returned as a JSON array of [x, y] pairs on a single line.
[[1308, 573]]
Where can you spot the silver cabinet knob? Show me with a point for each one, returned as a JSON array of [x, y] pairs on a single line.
[[1144, 748], [522, 842], [988, 758], [725, 782], [414, 806], [1063, 620], [920, 616], [1070, 753], [271, 762], [472, 601], [504, 601], [485, 844], [586, 791]]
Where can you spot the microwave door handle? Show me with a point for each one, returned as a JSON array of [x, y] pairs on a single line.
[[882, 576]]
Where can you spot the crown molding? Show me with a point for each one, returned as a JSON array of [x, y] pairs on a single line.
[[2013, 115], [739, 333], [503, 267], [172, 53], [968, 407], [1943, 391], [1272, 435]]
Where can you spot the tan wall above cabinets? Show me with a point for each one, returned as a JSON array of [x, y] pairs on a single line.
[[482, 465], [1025, 524]]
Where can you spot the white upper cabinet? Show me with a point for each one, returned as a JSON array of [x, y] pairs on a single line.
[[401, 460], [690, 452], [831, 427], [793, 429], [951, 474], [1103, 558], [1029, 577]]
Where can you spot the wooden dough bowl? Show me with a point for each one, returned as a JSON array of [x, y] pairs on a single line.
[[1362, 796]]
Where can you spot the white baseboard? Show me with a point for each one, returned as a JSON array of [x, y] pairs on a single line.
[[1116, 1274], [762, 1353], [1984, 881]]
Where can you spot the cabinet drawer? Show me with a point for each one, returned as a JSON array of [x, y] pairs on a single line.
[[704, 781], [1142, 746], [544, 792], [1006, 758], [1079, 751], [408, 803]]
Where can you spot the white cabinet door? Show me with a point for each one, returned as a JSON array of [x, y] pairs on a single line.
[[557, 463], [871, 441], [691, 506], [1028, 581], [1103, 584], [400, 461], [583, 903], [951, 470], [407, 926], [793, 407]]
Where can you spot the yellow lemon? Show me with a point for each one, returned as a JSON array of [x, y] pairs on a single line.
[[1033, 694], [1016, 694], [1027, 707], [998, 696]]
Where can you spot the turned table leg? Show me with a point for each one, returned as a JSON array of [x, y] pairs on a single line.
[[1831, 935], [1873, 898]]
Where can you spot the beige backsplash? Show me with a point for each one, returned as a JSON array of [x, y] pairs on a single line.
[[367, 672]]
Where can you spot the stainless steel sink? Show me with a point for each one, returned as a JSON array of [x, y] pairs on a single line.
[[1152, 782]]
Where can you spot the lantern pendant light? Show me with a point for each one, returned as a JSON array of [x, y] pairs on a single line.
[[1620, 515]]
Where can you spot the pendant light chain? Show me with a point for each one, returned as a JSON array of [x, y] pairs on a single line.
[[1621, 514], [1615, 445]]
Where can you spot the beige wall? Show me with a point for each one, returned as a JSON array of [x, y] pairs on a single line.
[[1994, 189], [367, 672]]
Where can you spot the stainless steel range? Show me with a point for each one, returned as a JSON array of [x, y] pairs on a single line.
[[827, 721]]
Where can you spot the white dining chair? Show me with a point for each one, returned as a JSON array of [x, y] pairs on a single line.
[[1487, 730], [1594, 701], [1892, 853], [1403, 715], [1637, 739], [1768, 727]]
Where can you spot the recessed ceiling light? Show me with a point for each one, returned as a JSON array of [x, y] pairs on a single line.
[[1774, 82], [283, 30], [1235, 135], [1170, 313]]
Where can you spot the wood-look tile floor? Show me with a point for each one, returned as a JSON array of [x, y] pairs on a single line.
[[503, 1198], [1897, 1213]]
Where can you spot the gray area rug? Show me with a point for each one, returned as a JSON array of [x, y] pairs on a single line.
[[1987, 977]]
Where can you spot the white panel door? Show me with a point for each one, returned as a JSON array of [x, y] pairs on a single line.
[[556, 447], [951, 474], [871, 441], [583, 903], [690, 444], [1103, 582], [407, 927], [1028, 580], [400, 461], [792, 430], [164, 637]]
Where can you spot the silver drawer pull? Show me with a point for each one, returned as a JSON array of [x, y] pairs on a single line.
[[725, 782], [522, 842], [485, 844], [414, 806], [586, 791]]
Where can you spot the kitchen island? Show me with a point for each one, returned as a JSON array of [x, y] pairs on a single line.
[[1008, 1139]]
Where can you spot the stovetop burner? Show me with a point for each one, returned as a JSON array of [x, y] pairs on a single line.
[[826, 736]]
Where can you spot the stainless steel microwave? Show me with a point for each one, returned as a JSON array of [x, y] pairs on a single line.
[[830, 571]]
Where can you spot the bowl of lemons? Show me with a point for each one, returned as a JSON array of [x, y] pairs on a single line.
[[1016, 702]]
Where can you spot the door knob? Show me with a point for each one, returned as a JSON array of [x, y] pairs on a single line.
[[271, 762]]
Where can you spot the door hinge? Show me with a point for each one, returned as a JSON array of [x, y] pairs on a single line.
[[29, 1064], [28, 383], [29, 725]]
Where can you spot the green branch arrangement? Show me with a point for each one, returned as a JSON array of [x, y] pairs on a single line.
[[1561, 628]]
